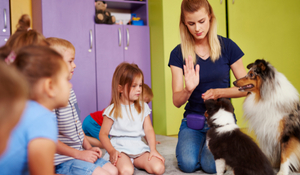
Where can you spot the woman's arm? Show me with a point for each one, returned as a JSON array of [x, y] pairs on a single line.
[[41, 156], [239, 71], [180, 93]]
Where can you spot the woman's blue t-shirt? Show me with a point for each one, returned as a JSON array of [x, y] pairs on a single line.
[[212, 75]]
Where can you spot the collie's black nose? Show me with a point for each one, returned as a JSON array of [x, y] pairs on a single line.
[[234, 83]]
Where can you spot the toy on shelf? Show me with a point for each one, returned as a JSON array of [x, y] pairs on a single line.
[[135, 20], [102, 16]]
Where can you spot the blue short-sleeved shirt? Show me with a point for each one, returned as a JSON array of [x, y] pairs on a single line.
[[36, 122], [212, 75]]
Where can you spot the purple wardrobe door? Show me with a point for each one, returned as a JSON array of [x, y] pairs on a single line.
[[4, 18], [109, 54], [138, 50], [75, 23], [3, 40]]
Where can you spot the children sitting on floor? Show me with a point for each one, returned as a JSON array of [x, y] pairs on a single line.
[[32, 143], [74, 152]]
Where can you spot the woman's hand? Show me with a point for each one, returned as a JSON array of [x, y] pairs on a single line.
[[211, 94], [191, 75], [113, 157], [154, 153]]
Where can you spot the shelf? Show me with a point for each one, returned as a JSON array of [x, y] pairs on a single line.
[[125, 4]]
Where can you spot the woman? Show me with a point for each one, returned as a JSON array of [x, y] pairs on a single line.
[[213, 56]]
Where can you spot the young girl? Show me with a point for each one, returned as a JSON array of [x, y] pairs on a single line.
[[127, 120], [200, 68], [33, 142]]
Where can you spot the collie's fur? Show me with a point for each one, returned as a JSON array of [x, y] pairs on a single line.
[[229, 145], [272, 109]]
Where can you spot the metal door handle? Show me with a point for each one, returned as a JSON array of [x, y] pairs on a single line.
[[127, 31], [232, 1], [221, 1], [91, 39], [120, 37], [5, 19]]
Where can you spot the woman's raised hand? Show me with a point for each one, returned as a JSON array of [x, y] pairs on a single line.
[[191, 75]]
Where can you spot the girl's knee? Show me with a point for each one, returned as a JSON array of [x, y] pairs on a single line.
[[126, 170], [159, 168]]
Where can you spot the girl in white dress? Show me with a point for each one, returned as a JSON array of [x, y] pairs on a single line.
[[127, 120]]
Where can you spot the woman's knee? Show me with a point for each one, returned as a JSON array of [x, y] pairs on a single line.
[[208, 166], [188, 165]]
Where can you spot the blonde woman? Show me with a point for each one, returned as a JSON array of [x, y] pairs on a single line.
[[202, 62]]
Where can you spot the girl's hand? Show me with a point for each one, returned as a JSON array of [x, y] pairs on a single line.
[[154, 153], [191, 75], [113, 157], [97, 150], [211, 94]]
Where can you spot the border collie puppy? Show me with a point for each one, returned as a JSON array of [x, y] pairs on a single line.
[[272, 109], [229, 145]]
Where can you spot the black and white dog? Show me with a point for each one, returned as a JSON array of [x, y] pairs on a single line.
[[229, 145]]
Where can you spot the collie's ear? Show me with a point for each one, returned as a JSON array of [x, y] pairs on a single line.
[[262, 66], [249, 66]]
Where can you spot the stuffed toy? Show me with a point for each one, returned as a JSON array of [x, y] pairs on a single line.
[[102, 16]]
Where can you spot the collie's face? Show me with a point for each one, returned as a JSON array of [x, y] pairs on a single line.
[[215, 106], [252, 82]]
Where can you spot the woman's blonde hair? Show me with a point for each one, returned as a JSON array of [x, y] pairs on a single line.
[[124, 75], [187, 39]]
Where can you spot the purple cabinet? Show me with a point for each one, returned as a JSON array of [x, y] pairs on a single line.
[[99, 48], [116, 44], [4, 21], [76, 25]]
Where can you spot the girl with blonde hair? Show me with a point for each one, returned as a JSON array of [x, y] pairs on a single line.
[[202, 62], [127, 120]]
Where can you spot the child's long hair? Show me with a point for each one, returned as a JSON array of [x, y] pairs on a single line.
[[124, 76], [36, 62], [187, 39], [13, 88]]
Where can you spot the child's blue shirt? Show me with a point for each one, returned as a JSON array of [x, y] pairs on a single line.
[[36, 122]]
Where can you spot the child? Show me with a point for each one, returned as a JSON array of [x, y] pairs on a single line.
[[74, 152], [92, 123], [32, 144], [14, 94], [24, 36], [127, 120]]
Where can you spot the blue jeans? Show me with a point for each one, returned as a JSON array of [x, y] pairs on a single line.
[[79, 167], [191, 151]]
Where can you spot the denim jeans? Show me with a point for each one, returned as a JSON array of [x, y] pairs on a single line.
[[79, 167], [191, 151]]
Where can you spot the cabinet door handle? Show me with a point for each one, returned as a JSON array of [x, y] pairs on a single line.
[[5, 19], [120, 37], [91, 39], [221, 1], [127, 31], [232, 1]]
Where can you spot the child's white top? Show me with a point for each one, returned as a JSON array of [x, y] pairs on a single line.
[[127, 131], [129, 125]]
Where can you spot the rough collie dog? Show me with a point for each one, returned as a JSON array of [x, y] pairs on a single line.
[[272, 109], [229, 145]]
